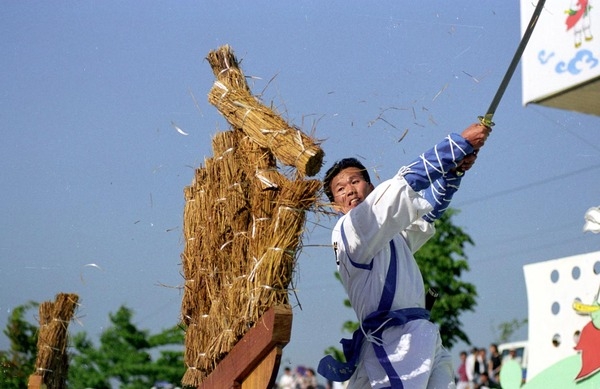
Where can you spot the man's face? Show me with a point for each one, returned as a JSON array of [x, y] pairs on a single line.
[[349, 189]]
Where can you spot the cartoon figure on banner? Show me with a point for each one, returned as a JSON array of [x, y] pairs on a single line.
[[589, 339], [578, 19], [577, 371], [580, 61]]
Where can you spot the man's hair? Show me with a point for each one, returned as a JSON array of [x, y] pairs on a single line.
[[338, 167]]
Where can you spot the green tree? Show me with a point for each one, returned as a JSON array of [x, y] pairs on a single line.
[[18, 363], [442, 261], [125, 356], [508, 328]]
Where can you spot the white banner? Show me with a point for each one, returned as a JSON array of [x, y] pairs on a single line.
[[564, 49]]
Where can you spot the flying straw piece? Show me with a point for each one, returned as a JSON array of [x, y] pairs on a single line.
[[440, 92], [473, 77], [179, 130], [403, 135]]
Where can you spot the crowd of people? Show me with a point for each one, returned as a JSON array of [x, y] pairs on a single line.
[[478, 370], [303, 378], [300, 378]]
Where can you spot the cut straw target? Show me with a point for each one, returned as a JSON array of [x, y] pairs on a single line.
[[243, 221], [52, 359]]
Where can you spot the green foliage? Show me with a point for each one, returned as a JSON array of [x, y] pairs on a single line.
[[125, 356], [442, 261], [336, 353], [18, 363], [507, 329], [348, 326]]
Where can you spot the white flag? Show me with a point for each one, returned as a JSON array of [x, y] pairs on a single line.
[[592, 220]]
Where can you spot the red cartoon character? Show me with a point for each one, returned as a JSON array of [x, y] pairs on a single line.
[[578, 19], [589, 340]]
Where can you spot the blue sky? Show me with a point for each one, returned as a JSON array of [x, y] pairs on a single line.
[[94, 170]]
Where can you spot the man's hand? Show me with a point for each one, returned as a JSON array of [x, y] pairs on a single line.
[[476, 134], [466, 163]]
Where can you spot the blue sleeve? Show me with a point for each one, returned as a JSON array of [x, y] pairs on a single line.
[[436, 162], [439, 194]]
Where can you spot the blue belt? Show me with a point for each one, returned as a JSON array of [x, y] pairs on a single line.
[[374, 324]]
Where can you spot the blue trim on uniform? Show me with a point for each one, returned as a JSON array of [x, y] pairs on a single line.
[[389, 288], [384, 360], [364, 266], [374, 324], [385, 304]]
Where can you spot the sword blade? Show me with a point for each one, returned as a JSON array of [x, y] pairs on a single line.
[[487, 118]]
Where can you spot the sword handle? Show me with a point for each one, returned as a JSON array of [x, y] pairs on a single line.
[[430, 297], [486, 120]]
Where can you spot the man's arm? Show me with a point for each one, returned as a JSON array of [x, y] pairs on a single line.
[[437, 162], [396, 204], [437, 170], [439, 195]]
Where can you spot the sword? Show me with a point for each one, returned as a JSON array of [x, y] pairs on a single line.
[[486, 119]]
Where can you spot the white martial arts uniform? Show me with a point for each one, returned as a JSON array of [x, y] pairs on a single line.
[[389, 224]]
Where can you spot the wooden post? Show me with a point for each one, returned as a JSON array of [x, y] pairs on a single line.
[[253, 362], [36, 382]]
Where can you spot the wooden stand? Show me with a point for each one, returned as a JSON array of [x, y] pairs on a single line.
[[36, 382], [253, 362]]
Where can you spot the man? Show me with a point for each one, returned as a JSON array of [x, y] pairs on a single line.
[[486, 383], [472, 366], [482, 362], [287, 380], [396, 345]]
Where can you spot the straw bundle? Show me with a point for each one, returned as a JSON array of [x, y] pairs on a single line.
[[275, 252], [216, 219], [232, 97], [52, 359], [243, 223]]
